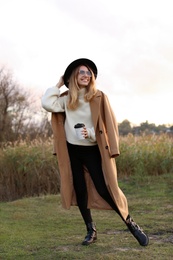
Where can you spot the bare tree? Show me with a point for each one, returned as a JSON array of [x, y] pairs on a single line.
[[13, 107], [20, 111]]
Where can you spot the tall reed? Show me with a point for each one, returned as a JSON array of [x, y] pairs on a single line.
[[29, 168], [145, 155]]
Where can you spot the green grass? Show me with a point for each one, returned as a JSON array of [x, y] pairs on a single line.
[[38, 227]]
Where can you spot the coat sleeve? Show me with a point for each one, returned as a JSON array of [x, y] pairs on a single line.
[[112, 128]]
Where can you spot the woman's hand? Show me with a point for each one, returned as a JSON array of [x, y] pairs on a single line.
[[85, 132], [60, 82]]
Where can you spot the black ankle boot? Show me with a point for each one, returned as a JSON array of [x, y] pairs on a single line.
[[91, 236], [137, 232]]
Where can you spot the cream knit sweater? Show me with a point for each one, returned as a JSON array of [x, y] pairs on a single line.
[[53, 102]]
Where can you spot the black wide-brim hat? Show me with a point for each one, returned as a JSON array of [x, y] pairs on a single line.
[[75, 64]]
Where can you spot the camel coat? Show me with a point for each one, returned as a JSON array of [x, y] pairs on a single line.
[[106, 130]]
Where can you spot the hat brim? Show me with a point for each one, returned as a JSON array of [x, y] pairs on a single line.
[[75, 64]]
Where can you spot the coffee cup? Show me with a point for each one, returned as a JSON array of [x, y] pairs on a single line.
[[78, 128]]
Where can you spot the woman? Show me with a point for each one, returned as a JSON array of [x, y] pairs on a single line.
[[87, 165]]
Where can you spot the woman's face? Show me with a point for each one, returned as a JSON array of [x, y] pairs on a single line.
[[83, 77]]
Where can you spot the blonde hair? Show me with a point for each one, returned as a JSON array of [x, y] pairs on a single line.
[[73, 100]]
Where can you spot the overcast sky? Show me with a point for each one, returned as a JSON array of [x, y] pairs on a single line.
[[131, 42]]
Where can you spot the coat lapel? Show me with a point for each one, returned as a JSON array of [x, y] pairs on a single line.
[[95, 107]]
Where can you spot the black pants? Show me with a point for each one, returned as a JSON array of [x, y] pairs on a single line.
[[90, 157]]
